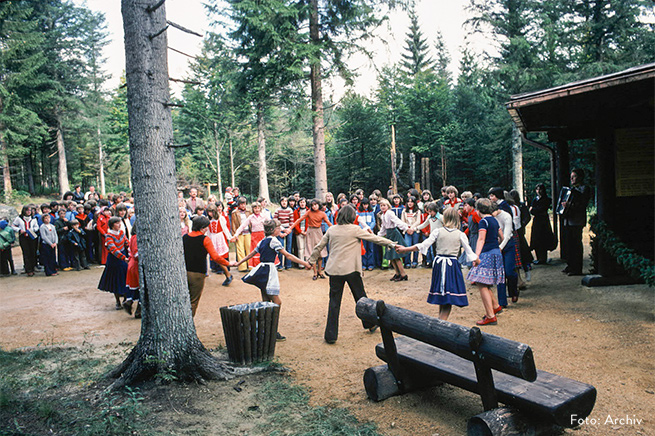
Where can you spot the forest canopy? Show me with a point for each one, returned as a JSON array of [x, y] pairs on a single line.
[[248, 94]]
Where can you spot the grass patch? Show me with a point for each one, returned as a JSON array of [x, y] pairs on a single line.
[[288, 406], [52, 390]]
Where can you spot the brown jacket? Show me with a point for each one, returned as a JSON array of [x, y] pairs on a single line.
[[345, 248], [235, 219]]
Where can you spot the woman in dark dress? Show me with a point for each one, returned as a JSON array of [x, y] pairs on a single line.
[[542, 238]]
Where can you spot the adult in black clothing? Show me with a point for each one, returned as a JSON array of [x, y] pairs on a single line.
[[575, 218], [78, 195], [541, 239]]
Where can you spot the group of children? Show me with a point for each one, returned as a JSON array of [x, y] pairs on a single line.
[[484, 228]]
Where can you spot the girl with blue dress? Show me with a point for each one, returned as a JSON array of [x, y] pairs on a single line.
[[490, 270], [447, 287]]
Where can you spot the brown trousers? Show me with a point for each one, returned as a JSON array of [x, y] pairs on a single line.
[[196, 282]]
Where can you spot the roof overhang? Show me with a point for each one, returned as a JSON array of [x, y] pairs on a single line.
[[576, 110]]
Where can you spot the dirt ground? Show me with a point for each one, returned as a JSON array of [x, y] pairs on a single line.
[[602, 336]]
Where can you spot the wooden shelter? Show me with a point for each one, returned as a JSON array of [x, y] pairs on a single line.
[[616, 112]]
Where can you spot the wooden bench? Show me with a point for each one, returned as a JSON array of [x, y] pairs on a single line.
[[433, 351]]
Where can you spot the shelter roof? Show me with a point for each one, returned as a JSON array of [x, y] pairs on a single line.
[[576, 110]]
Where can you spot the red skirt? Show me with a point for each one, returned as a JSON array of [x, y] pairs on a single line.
[[255, 238]]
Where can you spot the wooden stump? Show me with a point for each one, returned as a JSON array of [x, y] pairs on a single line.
[[505, 421]]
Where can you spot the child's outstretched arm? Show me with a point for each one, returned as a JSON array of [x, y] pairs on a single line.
[[401, 249], [295, 259], [247, 258]]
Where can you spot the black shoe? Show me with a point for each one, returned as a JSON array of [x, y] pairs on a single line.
[[227, 281], [565, 270], [137, 311], [330, 341], [374, 328], [127, 305], [279, 337]]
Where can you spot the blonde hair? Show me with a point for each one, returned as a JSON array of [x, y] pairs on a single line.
[[451, 218], [466, 195], [384, 201]]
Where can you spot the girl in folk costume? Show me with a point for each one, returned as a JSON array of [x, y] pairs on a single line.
[[426, 197], [185, 222], [313, 218], [431, 222], [452, 201], [523, 220], [27, 238], [126, 226], [103, 227], [224, 221], [132, 277], [115, 273], [217, 237], [301, 229], [412, 217], [391, 227], [49, 241], [397, 205], [366, 217], [490, 270], [264, 275], [472, 227], [447, 287], [284, 214], [256, 224], [330, 203]]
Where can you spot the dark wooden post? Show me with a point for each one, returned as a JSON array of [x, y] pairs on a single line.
[[605, 194], [563, 179], [482, 371], [389, 346]]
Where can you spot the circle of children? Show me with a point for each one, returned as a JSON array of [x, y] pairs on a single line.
[[489, 232]]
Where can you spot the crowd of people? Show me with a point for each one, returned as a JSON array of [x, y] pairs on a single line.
[[401, 232]]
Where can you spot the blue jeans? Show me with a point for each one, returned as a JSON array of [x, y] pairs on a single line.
[[409, 241], [286, 243], [511, 278], [367, 258]]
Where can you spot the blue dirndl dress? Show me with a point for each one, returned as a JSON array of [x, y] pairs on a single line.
[[447, 286], [265, 275], [114, 275]]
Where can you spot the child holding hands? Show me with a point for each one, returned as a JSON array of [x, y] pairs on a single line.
[[447, 287], [264, 275]]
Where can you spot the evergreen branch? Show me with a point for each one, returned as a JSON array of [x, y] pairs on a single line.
[[190, 82]]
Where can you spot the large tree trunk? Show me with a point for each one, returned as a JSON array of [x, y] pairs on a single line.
[[320, 165], [101, 161], [261, 148], [218, 164], [29, 169], [168, 344], [63, 167], [5, 166], [517, 159]]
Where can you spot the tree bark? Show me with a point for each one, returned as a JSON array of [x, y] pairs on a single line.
[[101, 162], [5, 166], [63, 167], [232, 165], [261, 149], [168, 346], [320, 163], [517, 159], [218, 164]]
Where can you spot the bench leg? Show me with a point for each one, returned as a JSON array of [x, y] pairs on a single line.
[[505, 421], [380, 383]]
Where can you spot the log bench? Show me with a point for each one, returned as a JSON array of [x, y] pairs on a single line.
[[432, 351]]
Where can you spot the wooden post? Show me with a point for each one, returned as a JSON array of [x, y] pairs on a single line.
[[486, 387], [412, 168], [389, 346], [394, 180], [444, 169], [425, 173]]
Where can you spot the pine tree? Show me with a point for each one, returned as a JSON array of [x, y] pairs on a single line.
[[416, 58], [20, 59]]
